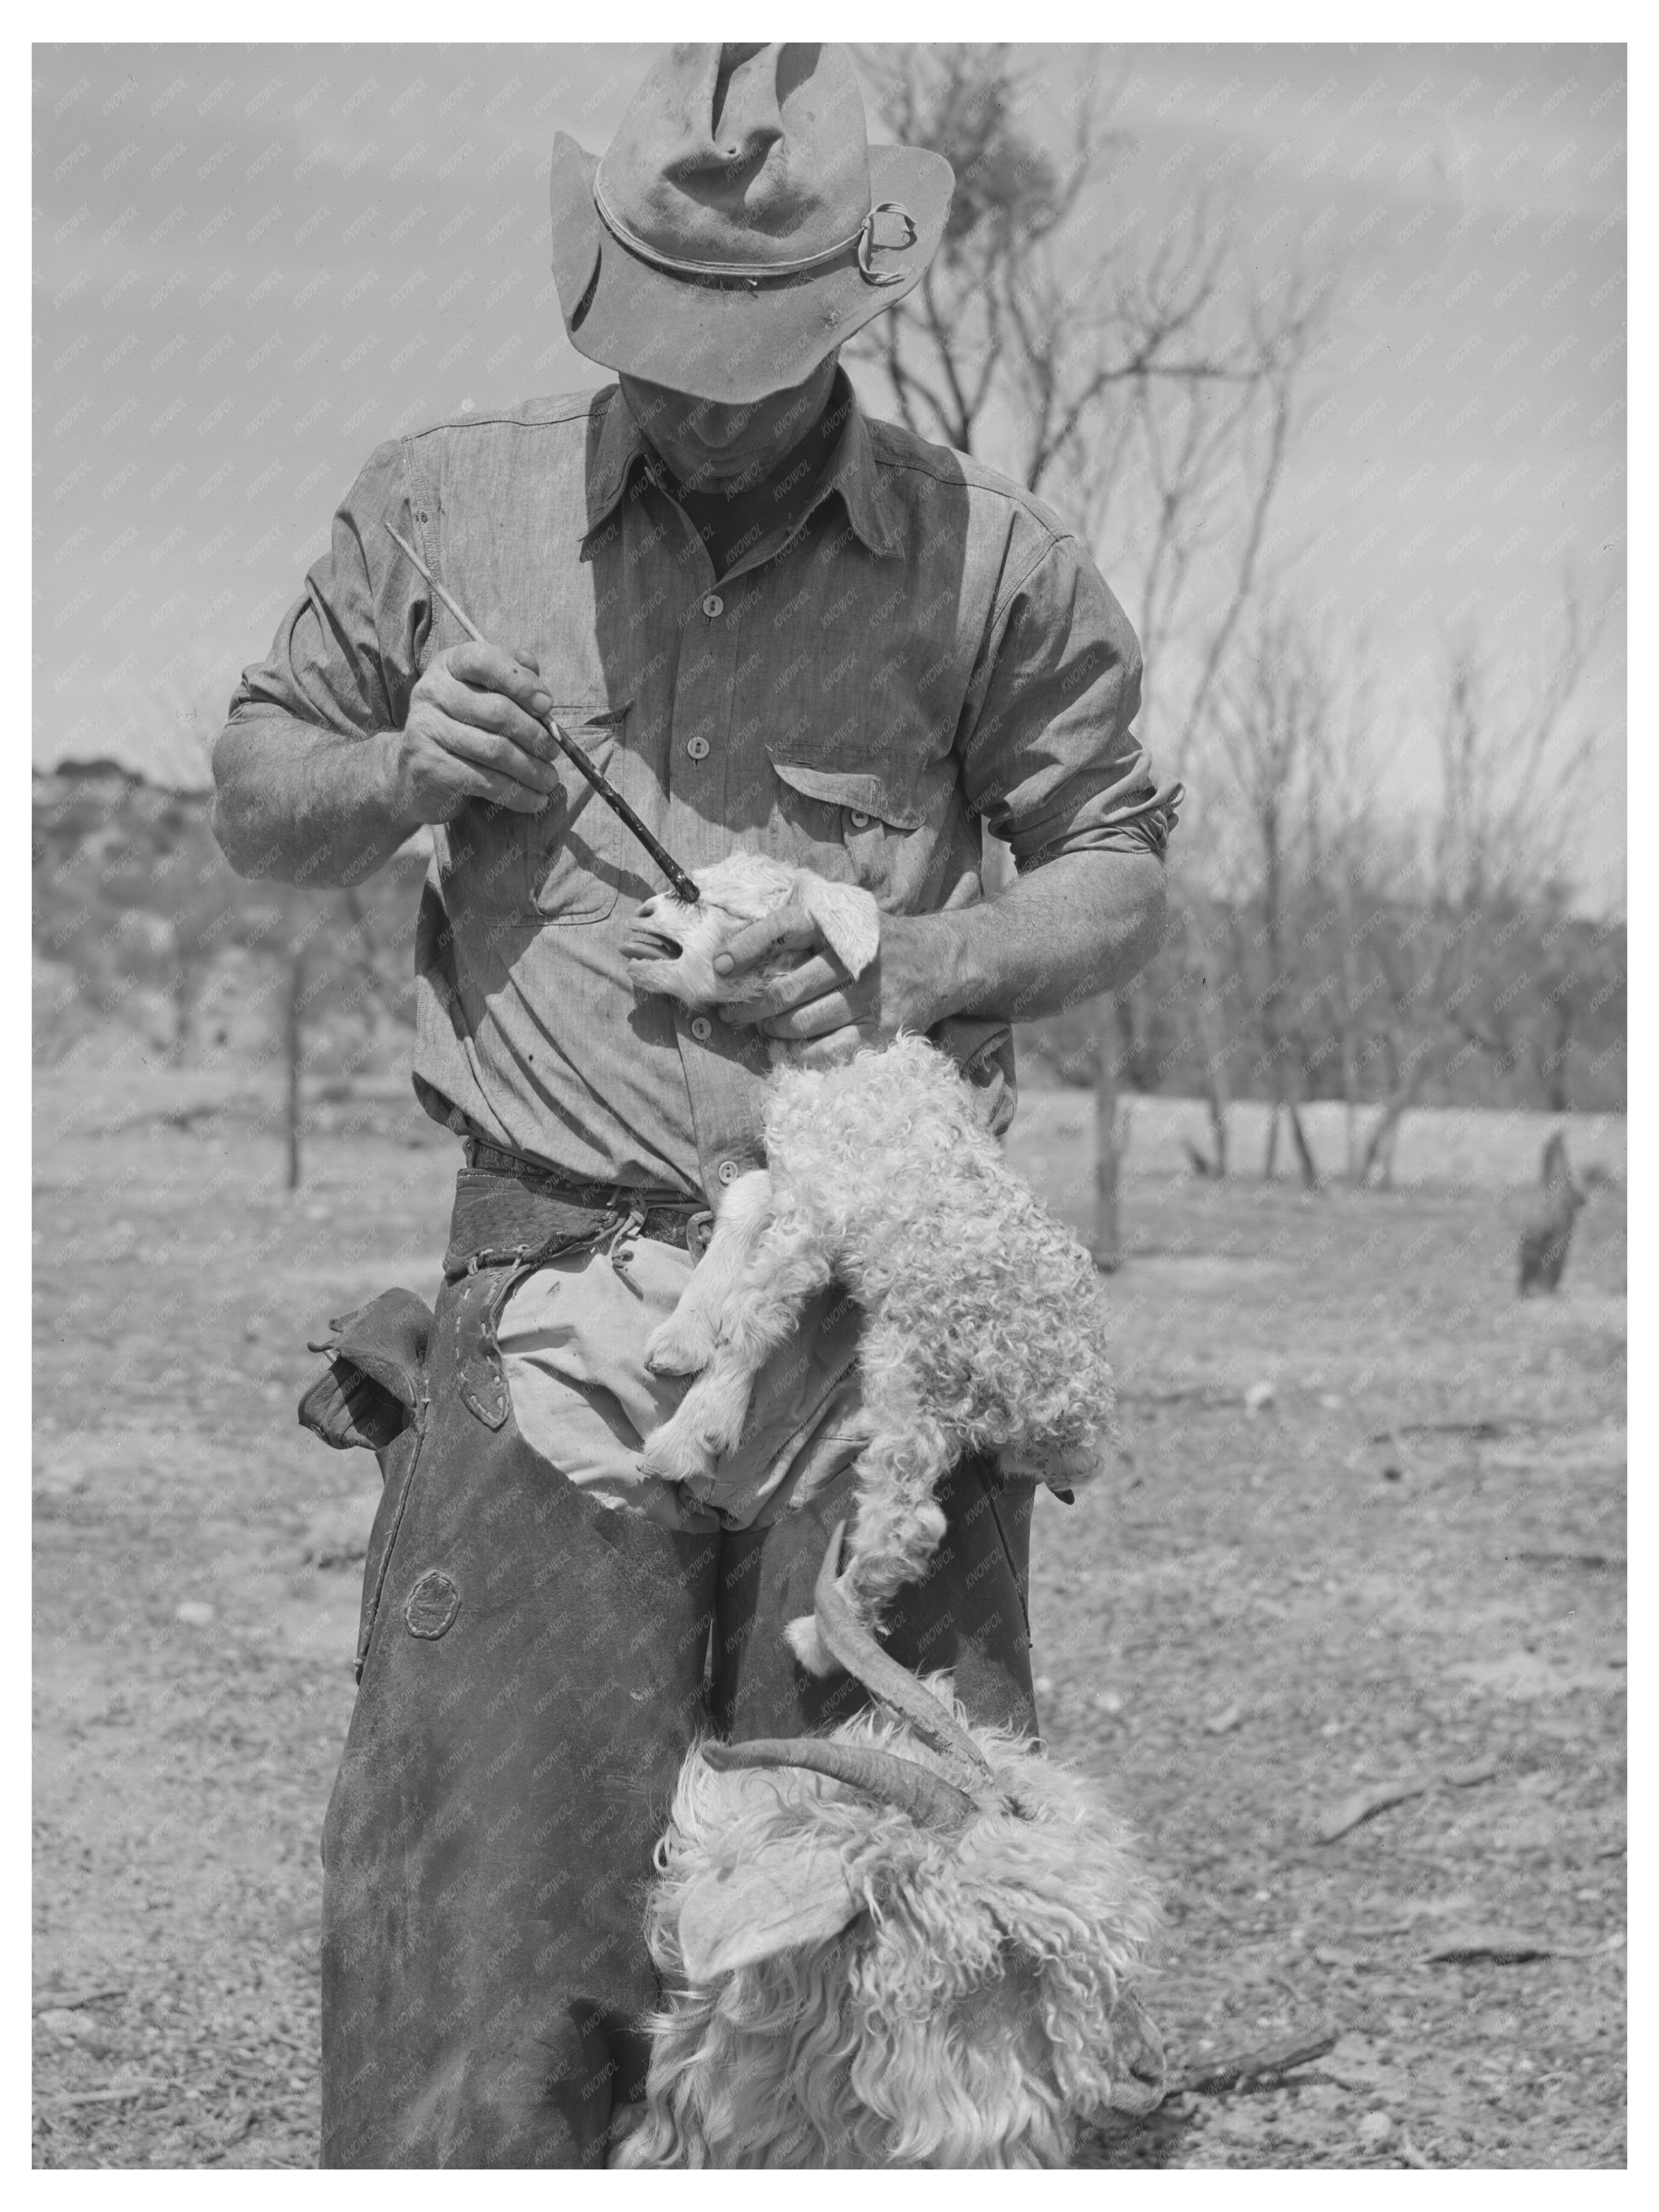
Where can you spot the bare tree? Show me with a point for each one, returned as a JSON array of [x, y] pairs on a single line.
[[1214, 451], [1347, 821], [1137, 375], [1042, 329], [328, 954], [136, 908], [1274, 725], [131, 895], [1512, 763]]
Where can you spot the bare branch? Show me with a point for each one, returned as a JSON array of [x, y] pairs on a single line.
[[1244, 583]]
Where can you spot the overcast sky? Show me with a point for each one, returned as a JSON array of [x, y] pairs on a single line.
[[252, 264]]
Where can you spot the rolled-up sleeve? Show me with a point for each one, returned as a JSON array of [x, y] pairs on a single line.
[[1048, 755], [347, 653]]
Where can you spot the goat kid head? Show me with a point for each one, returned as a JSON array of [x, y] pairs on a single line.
[[671, 945], [909, 1943]]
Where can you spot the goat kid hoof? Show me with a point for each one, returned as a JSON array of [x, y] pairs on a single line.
[[667, 1351], [671, 1457]]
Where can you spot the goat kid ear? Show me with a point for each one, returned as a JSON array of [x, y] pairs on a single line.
[[785, 1895], [847, 915]]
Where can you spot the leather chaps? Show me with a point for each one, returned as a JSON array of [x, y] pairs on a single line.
[[532, 1669]]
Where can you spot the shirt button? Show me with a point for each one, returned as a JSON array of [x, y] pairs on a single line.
[[728, 1171], [859, 821], [697, 747], [703, 1029], [714, 605]]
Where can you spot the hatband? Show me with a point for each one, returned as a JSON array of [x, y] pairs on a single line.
[[745, 272]]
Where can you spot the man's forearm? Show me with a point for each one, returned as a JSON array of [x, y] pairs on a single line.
[[1084, 923], [304, 805]]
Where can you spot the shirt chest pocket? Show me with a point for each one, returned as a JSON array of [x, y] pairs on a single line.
[[559, 867], [865, 817]]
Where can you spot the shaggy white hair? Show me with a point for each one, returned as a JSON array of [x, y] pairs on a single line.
[[852, 1987], [986, 1324]]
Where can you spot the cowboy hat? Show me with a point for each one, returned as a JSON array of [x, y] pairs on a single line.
[[740, 226]]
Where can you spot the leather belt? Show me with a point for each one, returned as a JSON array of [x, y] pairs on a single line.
[[510, 1211]]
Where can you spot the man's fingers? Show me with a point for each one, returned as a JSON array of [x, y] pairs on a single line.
[[485, 707], [797, 986], [484, 727], [482, 749], [502, 791], [775, 932], [505, 718], [832, 1051], [820, 1016], [491, 668], [448, 744], [470, 781]]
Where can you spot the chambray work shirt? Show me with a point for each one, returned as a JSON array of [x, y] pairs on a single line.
[[930, 646]]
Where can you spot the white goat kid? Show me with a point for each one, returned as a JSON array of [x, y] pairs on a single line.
[[984, 1322], [913, 1942]]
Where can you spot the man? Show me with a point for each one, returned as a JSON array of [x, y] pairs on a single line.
[[773, 623]]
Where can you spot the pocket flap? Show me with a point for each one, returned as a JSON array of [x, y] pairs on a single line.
[[865, 794]]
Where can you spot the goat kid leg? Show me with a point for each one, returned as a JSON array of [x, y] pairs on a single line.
[[785, 1268], [683, 1344], [897, 1522]]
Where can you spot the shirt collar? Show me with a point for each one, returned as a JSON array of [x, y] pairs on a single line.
[[852, 472], [620, 446]]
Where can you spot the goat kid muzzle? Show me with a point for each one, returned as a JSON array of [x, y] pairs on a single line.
[[645, 944], [644, 940]]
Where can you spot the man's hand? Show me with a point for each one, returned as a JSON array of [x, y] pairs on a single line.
[[1081, 924], [471, 732], [821, 1011]]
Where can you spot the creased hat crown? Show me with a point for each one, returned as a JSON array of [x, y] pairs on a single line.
[[740, 156]]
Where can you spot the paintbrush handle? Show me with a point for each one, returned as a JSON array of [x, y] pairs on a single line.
[[607, 790]]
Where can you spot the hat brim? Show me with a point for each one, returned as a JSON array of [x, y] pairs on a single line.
[[726, 342]]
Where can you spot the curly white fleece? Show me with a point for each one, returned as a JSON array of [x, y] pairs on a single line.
[[974, 2013], [986, 1322]]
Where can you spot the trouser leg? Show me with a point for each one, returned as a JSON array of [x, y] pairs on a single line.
[[968, 1613]]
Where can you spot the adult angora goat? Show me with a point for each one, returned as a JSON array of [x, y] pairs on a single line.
[[909, 1943], [985, 1324]]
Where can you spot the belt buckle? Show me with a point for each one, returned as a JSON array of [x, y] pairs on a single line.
[[699, 1228]]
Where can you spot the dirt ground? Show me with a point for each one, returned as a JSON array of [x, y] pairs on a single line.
[[1368, 1528]]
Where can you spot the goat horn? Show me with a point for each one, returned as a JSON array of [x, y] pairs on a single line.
[[895, 1686], [930, 1801]]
